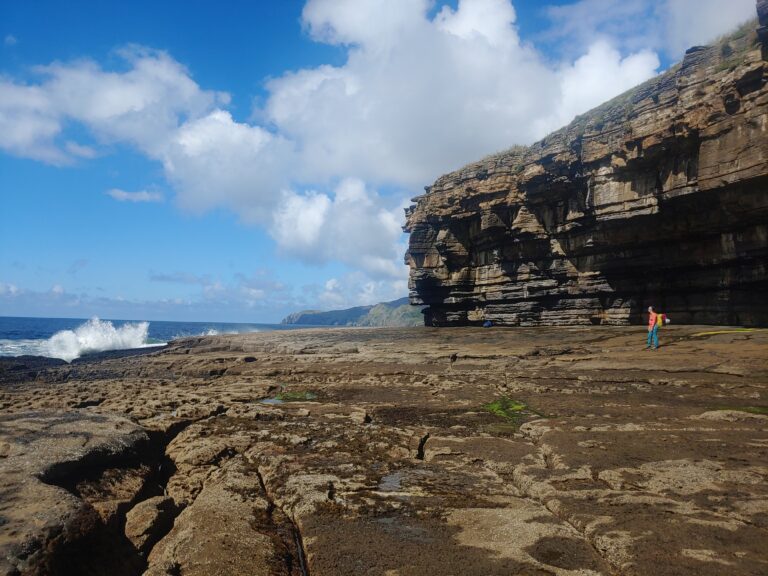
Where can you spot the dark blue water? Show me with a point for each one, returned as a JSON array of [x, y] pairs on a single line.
[[69, 338]]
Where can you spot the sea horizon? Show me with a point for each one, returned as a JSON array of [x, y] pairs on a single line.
[[70, 338]]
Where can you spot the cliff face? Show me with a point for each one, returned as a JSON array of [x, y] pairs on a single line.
[[658, 197]]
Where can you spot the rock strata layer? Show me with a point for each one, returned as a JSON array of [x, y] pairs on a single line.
[[659, 197], [418, 452]]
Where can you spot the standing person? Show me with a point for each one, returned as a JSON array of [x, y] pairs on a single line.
[[653, 329]]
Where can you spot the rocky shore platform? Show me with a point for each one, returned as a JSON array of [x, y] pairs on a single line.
[[465, 451]]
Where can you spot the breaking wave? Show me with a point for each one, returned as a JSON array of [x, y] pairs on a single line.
[[65, 339], [96, 336]]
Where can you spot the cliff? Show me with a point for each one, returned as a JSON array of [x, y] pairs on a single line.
[[395, 313], [658, 197]]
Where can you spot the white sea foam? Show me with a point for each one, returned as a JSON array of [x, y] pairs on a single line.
[[95, 336], [100, 335], [216, 332], [22, 347]]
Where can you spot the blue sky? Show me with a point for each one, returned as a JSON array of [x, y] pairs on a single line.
[[238, 161]]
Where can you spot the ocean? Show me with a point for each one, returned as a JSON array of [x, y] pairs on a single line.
[[70, 338]]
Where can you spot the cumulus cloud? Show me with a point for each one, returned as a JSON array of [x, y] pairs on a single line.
[[29, 124], [143, 106], [423, 89], [420, 96], [349, 226], [214, 160], [692, 22], [354, 289], [140, 196], [595, 75]]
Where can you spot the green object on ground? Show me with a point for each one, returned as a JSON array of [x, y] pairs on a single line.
[[509, 409]]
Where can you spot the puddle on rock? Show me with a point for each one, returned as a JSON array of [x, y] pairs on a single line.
[[271, 401], [391, 482]]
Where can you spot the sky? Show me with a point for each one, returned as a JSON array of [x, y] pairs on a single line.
[[241, 160]]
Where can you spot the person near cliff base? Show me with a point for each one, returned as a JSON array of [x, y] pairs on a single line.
[[655, 321]]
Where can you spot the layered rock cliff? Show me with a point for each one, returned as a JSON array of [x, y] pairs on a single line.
[[658, 197]]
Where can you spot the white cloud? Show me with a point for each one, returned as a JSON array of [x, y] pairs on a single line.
[[351, 227], [29, 123], [427, 97], [79, 151], [8, 289], [695, 22], [10, 40], [143, 106], [489, 20], [668, 26], [140, 196], [377, 23], [595, 75], [355, 289], [214, 160], [57, 289]]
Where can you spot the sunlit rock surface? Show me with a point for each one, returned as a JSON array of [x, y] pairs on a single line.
[[566, 451]]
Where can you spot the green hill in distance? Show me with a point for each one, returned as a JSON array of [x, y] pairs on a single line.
[[396, 313]]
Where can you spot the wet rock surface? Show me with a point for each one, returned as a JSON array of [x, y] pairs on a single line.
[[565, 451], [657, 197]]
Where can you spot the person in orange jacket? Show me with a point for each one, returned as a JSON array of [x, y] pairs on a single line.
[[654, 321]]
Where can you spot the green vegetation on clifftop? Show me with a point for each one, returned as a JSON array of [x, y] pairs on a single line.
[[396, 313]]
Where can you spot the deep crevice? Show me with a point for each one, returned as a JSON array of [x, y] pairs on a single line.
[[420, 449], [280, 522], [100, 547]]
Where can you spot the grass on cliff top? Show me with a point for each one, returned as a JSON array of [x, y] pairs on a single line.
[[516, 150]]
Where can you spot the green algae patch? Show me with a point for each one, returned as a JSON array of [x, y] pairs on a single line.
[[296, 396], [506, 408], [512, 412]]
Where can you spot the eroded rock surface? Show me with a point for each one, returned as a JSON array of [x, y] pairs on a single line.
[[659, 196], [565, 451]]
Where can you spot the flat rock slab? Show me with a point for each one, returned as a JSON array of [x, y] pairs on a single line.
[[565, 451], [43, 456]]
